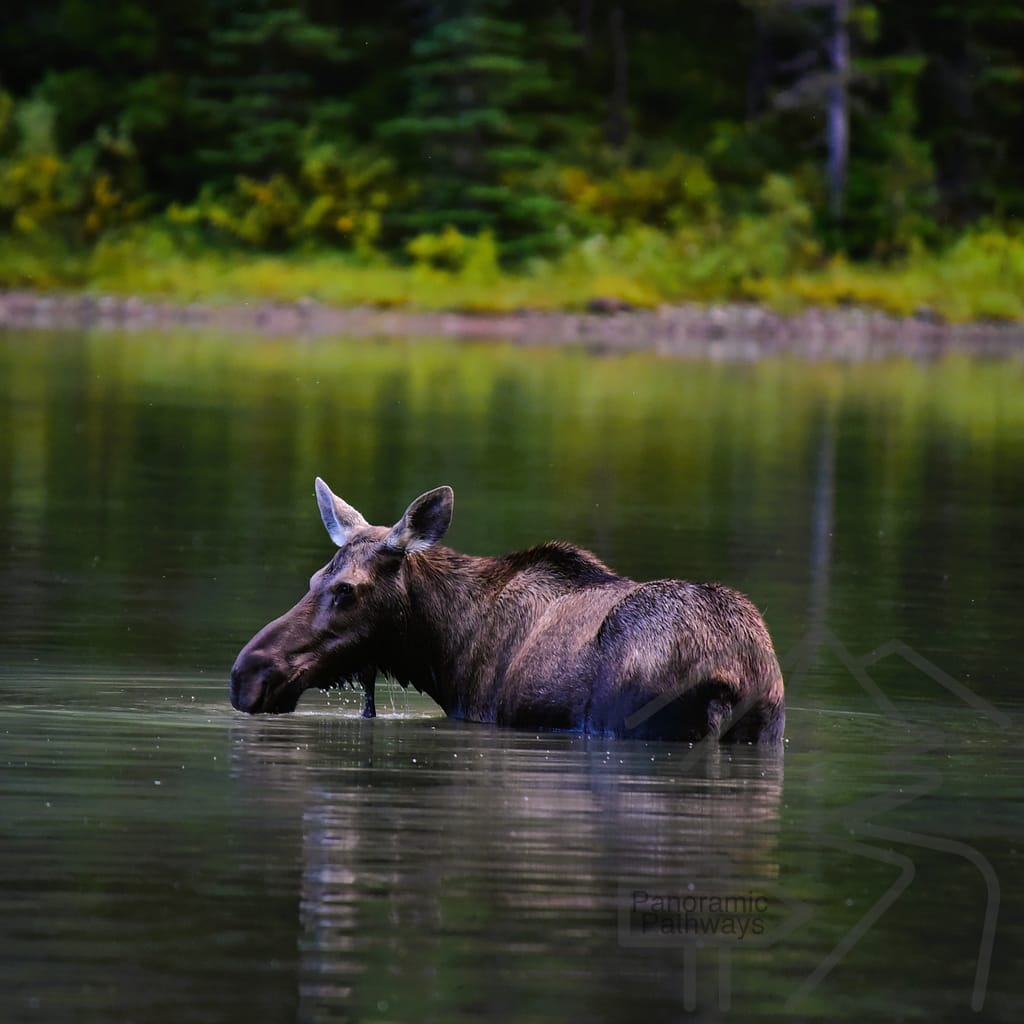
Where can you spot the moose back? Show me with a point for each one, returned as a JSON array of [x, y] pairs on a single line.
[[544, 638]]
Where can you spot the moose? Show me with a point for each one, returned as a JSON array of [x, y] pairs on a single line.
[[547, 638]]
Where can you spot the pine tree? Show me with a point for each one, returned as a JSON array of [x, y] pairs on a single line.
[[474, 126], [268, 80]]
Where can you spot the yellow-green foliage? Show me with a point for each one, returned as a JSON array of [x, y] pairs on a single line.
[[339, 197], [34, 181], [676, 192], [43, 192], [351, 191], [473, 259], [30, 191], [981, 276], [704, 259]]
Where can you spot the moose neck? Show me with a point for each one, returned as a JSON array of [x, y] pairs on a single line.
[[448, 596]]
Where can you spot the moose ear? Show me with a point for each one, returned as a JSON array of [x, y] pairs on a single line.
[[339, 517], [425, 521]]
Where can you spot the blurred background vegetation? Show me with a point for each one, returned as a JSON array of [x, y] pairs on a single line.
[[488, 154]]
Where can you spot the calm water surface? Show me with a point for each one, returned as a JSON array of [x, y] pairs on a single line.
[[163, 858]]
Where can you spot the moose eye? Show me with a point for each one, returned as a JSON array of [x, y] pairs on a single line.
[[341, 594]]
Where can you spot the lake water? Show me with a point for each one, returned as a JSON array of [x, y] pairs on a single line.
[[164, 858]]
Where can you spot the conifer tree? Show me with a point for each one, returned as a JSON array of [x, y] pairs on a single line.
[[474, 125], [268, 81]]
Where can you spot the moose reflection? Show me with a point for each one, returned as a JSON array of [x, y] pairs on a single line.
[[544, 638], [450, 850]]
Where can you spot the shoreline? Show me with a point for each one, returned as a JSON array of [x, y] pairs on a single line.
[[734, 331]]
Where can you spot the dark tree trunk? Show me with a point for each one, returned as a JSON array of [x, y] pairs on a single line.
[[961, 171], [838, 108], [618, 107], [586, 28], [762, 67]]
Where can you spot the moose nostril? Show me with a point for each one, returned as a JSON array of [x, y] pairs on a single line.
[[249, 677], [241, 695]]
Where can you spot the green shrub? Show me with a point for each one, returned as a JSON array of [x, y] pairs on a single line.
[[73, 197], [473, 258], [667, 195], [339, 198]]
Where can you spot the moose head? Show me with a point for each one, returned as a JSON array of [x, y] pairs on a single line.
[[355, 607]]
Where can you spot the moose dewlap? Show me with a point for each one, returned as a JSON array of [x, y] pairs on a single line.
[[544, 638]]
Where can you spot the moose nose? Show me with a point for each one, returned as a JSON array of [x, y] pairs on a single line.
[[250, 677]]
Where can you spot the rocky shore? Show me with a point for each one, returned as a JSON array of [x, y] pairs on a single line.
[[733, 332]]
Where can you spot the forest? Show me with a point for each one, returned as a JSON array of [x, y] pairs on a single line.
[[484, 154]]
